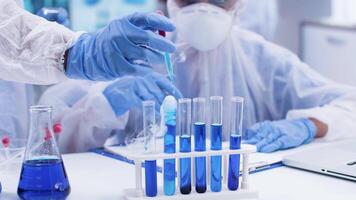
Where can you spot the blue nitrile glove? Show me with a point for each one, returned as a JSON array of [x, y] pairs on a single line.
[[126, 46], [59, 15], [278, 135], [129, 92]]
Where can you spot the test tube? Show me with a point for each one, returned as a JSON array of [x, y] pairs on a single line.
[[216, 106], [199, 120], [169, 106], [184, 124], [149, 122], [237, 107]]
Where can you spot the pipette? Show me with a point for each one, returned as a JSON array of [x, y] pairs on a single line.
[[167, 59]]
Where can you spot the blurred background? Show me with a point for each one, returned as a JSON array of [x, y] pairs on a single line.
[[321, 32]]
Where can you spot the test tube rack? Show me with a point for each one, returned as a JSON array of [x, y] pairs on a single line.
[[244, 191]]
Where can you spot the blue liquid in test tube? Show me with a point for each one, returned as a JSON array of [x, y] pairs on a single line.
[[169, 164], [151, 178], [236, 120], [185, 165], [199, 118], [234, 163], [184, 124], [200, 162], [216, 142], [170, 110], [149, 122]]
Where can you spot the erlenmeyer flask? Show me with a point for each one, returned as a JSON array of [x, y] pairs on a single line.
[[42, 175]]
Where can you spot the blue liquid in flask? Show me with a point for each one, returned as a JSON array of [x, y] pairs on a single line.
[[234, 163], [43, 179], [200, 162], [216, 144], [169, 164], [185, 165], [151, 178]]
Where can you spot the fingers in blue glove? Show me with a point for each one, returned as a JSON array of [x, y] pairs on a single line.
[[155, 91], [140, 36], [151, 57], [152, 21], [257, 133], [151, 40], [144, 92], [249, 133], [275, 146], [268, 139], [166, 85]]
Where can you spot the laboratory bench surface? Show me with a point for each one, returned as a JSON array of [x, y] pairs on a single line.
[[93, 176]]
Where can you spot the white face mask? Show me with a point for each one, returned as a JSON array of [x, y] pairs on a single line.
[[203, 26]]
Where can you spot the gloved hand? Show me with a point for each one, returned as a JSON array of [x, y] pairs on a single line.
[[59, 15], [126, 46], [129, 92], [278, 135]]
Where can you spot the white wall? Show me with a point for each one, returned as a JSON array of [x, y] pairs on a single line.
[[292, 13], [344, 10]]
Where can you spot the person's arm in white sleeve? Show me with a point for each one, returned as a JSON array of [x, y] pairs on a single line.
[[32, 49], [302, 104], [89, 113], [86, 117], [301, 92]]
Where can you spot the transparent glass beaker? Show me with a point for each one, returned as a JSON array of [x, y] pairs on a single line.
[[43, 175]]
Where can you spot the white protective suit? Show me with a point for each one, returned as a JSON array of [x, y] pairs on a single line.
[[31, 48], [86, 116], [15, 98], [274, 82]]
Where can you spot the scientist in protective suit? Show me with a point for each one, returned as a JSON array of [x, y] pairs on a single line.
[[34, 50], [287, 104]]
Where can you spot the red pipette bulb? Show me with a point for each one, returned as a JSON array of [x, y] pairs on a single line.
[[6, 141], [160, 32]]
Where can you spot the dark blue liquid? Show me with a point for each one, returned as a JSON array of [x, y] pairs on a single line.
[[151, 178], [43, 179], [216, 144], [234, 163], [169, 172], [185, 165], [200, 162]]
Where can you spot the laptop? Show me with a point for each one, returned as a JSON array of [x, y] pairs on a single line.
[[338, 160]]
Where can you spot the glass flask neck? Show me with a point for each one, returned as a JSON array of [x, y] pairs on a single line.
[[41, 142]]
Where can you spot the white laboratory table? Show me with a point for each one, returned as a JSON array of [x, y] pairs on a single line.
[[94, 176]]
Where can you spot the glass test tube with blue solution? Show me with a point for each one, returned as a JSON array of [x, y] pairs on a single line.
[[237, 107], [184, 124], [216, 107], [199, 120], [169, 106], [149, 123]]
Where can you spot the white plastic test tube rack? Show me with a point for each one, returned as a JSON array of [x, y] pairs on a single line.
[[244, 191]]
